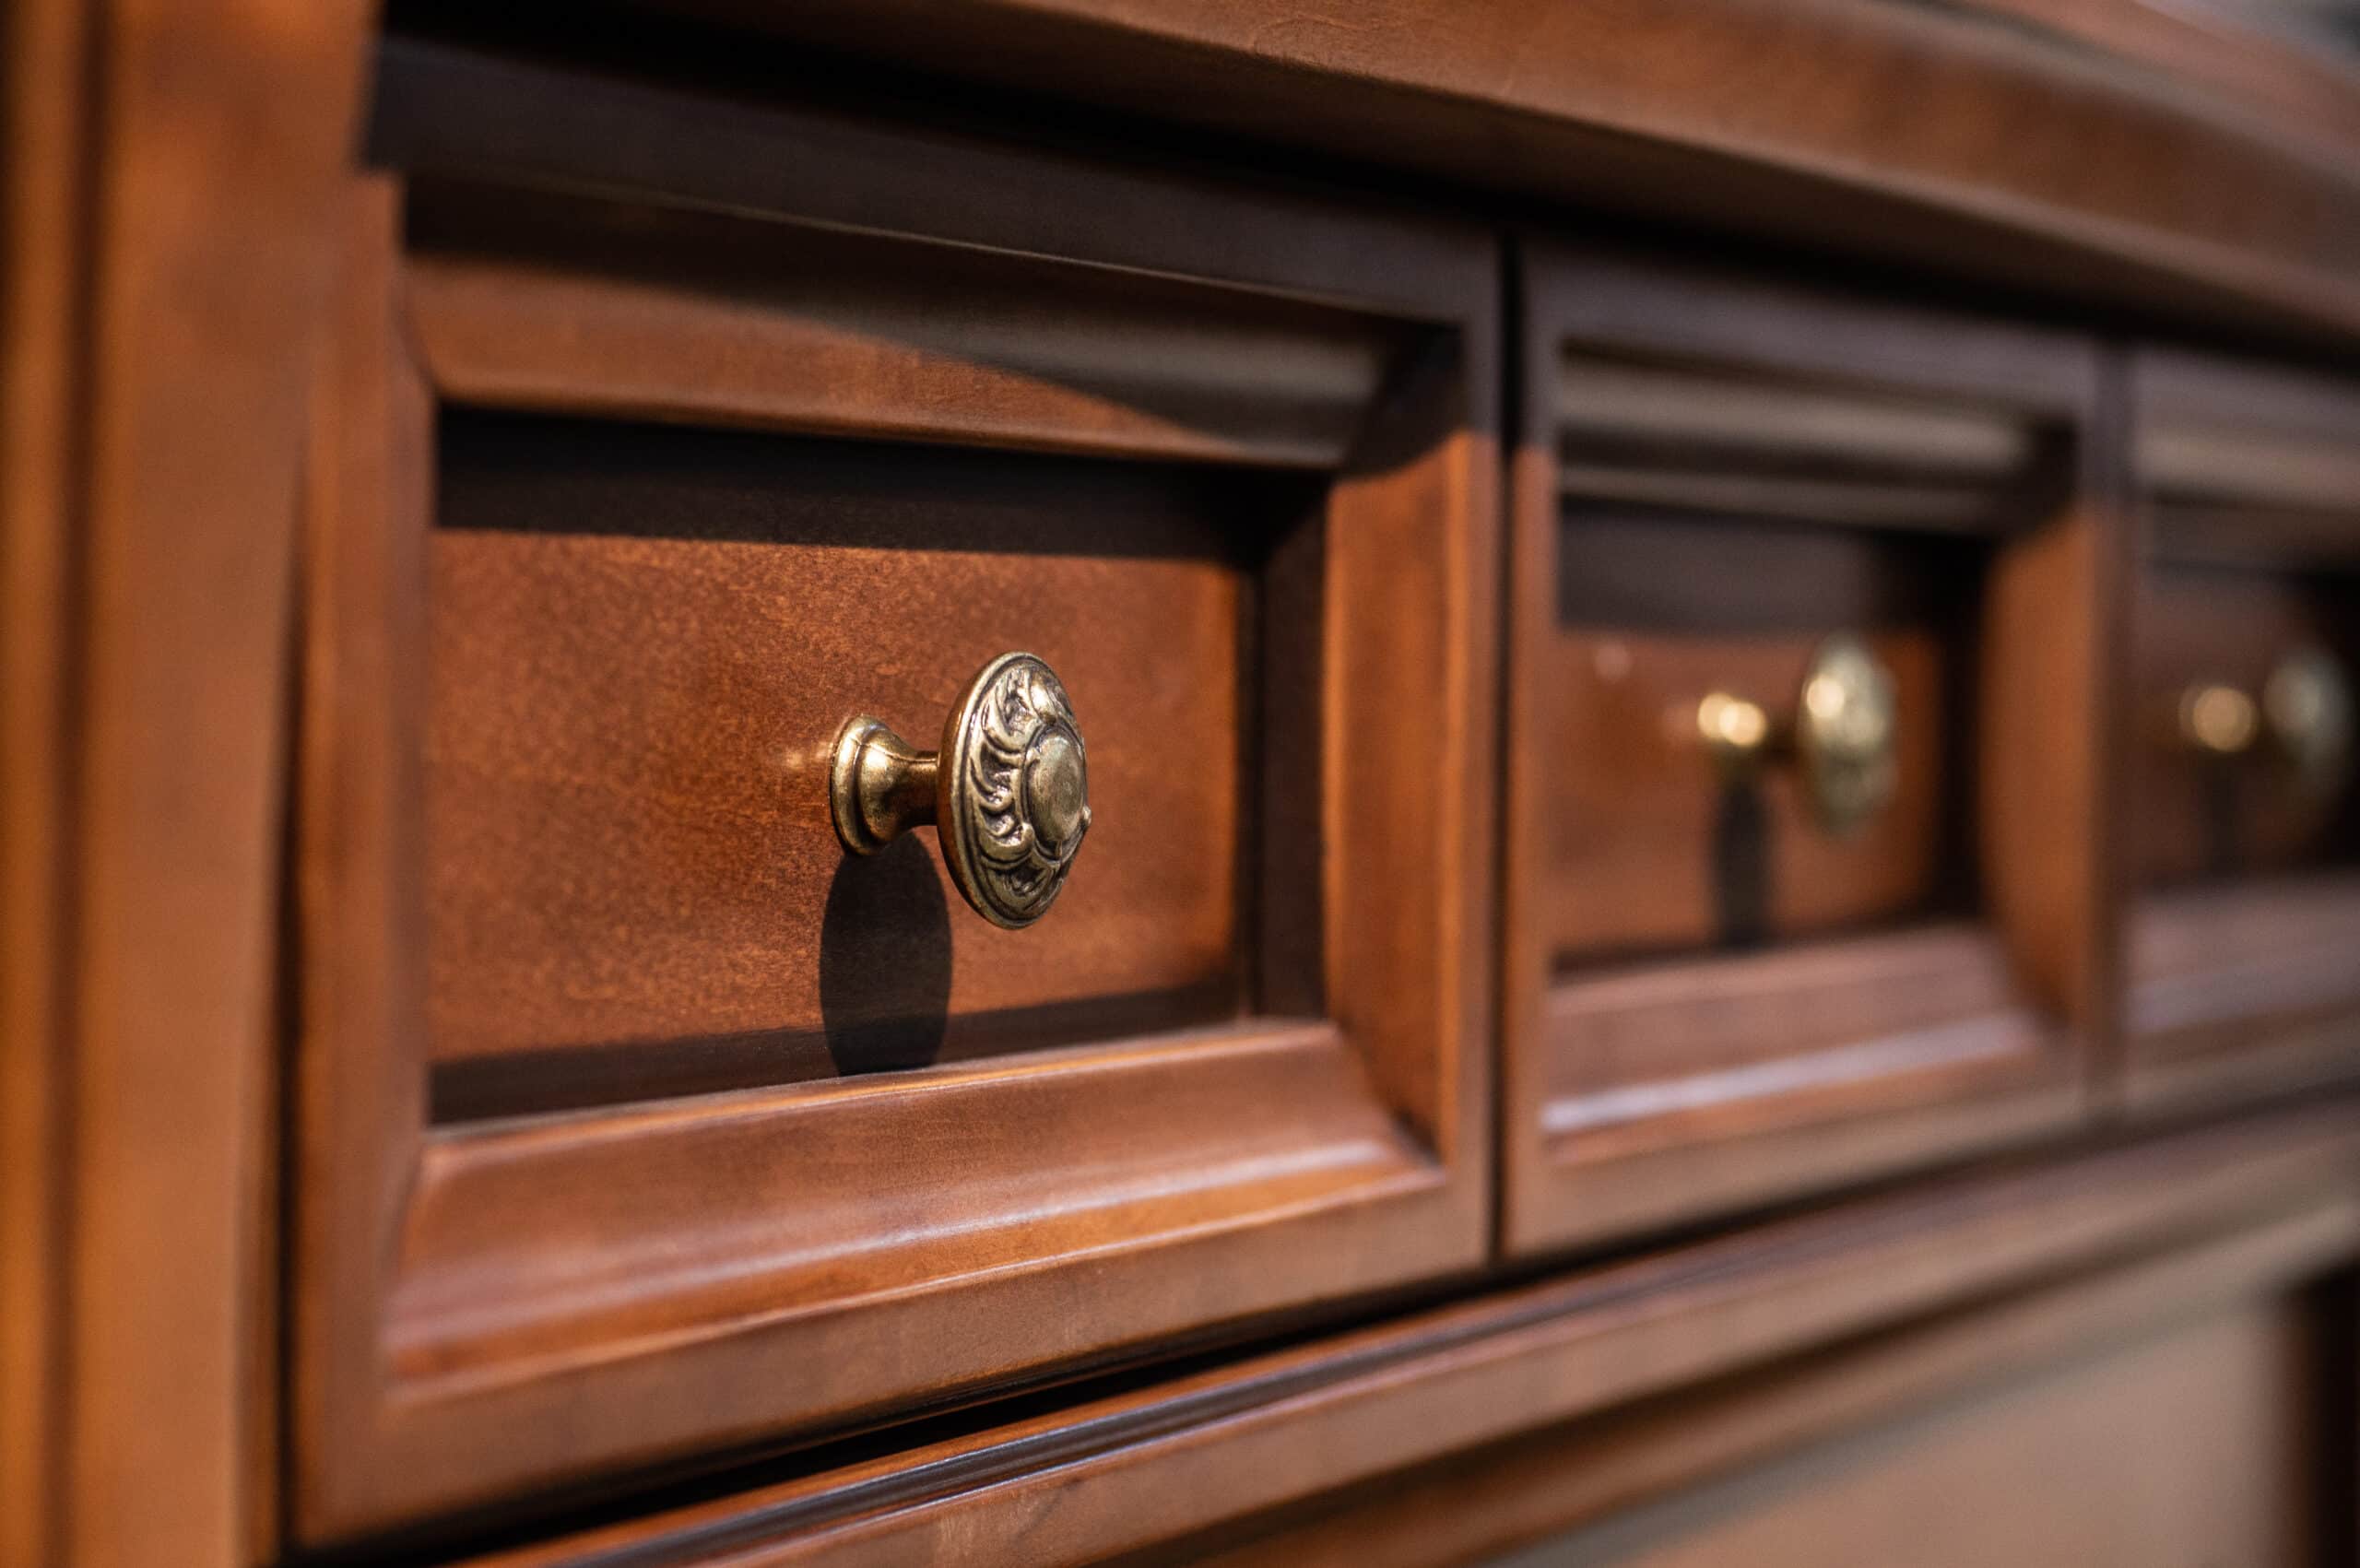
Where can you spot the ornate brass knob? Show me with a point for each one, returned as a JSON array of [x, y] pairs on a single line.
[[1007, 793], [2306, 704], [1841, 735]]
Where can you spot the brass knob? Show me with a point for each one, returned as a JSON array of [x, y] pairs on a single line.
[[1841, 735], [1007, 793], [2307, 705]]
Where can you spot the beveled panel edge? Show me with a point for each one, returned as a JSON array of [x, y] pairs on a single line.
[[515, 332], [1274, 1105]]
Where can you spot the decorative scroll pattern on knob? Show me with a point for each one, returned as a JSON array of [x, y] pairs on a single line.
[[1017, 802], [1008, 791]]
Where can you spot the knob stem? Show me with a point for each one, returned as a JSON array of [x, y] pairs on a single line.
[[880, 785]]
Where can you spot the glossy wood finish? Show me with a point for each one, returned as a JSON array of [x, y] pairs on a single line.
[[1684, 1031], [2241, 978], [1958, 136], [638, 1125], [2049, 1257], [164, 180]]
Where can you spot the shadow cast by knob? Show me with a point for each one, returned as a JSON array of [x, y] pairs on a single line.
[[885, 961]]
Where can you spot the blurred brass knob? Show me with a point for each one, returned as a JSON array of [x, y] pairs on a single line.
[[2218, 720], [2306, 704], [1841, 736], [1007, 792]]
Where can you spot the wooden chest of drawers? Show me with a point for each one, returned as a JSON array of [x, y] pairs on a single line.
[[1036, 782]]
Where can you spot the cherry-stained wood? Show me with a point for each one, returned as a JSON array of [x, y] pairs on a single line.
[[2005, 1271], [638, 1125], [165, 181], [1712, 1002], [2240, 976], [1968, 138]]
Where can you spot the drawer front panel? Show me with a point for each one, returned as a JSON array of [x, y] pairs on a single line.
[[1803, 880], [643, 1122], [2246, 656]]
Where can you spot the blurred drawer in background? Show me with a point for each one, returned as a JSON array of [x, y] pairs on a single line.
[[640, 1120], [1807, 618], [2244, 940]]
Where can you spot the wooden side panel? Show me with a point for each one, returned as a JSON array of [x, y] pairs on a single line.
[[169, 169]]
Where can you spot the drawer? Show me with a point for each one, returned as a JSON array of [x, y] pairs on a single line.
[[2247, 647], [653, 500], [1802, 878]]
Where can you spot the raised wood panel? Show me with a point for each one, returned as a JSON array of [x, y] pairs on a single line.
[[635, 850], [640, 1126], [1714, 1002]]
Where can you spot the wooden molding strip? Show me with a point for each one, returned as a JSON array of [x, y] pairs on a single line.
[[1542, 1484], [570, 306], [1137, 1470], [2094, 162]]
